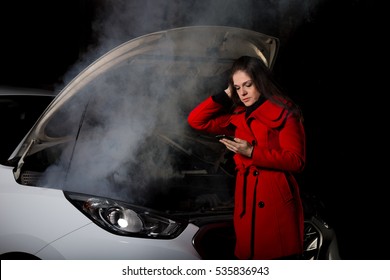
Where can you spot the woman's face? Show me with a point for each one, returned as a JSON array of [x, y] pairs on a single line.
[[245, 88]]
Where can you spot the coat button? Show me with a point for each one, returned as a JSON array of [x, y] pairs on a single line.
[[260, 204], [255, 173]]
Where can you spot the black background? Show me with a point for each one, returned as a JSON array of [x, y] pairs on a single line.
[[331, 62]]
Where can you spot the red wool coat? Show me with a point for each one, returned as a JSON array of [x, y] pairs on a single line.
[[268, 214]]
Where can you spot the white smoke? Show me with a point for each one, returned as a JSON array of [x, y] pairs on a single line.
[[117, 21]]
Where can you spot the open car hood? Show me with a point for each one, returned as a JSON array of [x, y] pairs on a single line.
[[108, 119]]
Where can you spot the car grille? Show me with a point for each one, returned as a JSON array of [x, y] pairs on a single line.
[[30, 178]]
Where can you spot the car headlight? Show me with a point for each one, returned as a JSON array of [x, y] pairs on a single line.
[[126, 219]]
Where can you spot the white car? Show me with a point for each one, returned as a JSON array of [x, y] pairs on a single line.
[[111, 169]]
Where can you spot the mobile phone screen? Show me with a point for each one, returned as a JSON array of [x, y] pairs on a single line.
[[231, 138]]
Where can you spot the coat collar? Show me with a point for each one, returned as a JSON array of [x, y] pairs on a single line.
[[268, 113]]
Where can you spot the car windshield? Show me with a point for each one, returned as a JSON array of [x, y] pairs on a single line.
[[119, 130]]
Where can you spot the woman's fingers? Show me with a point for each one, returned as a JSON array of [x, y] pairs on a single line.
[[239, 146]]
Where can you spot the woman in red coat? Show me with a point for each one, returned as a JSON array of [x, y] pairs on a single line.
[[269, 147]]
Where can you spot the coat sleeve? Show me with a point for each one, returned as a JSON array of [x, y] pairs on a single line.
[[208, 117], [289, 152]]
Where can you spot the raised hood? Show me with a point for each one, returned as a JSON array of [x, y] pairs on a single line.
[[147, 84]]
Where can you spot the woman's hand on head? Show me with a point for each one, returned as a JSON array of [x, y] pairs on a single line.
[[229, 91], [238, 146]]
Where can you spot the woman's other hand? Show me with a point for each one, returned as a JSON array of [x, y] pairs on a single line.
[[238, 146]]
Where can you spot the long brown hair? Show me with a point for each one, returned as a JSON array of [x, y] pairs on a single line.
[[264, 82]]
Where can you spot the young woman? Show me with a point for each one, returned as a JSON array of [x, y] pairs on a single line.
[[269, 147]]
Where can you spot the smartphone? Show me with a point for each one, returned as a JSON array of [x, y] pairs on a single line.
[[220, 136]]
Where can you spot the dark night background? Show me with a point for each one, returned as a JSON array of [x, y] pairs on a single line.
[[330, 62]]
